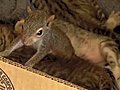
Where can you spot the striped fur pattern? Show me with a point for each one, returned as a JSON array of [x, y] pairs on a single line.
[[6, 36], [99, 12], [83, 13]]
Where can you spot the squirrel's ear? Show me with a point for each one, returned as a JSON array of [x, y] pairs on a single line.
[[19, 26], [50, 20]]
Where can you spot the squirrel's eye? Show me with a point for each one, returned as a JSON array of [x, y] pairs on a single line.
[[39, 33]]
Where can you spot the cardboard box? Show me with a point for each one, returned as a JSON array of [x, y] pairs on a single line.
[[14, 76]]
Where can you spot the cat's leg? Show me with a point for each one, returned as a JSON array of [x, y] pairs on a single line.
[[109, 49]]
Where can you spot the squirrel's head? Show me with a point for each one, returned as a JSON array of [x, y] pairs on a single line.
[[35, 27]]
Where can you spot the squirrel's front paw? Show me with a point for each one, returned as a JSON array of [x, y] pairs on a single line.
[[4, 53], [29, 64]]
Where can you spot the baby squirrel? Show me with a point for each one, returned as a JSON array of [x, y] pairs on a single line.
[[44, 39]]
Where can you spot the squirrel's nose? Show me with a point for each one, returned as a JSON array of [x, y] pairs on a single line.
[[27, 41]]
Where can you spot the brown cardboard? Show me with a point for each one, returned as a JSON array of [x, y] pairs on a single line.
[[20, 77]]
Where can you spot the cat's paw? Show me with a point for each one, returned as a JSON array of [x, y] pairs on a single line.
[[113, 20]]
